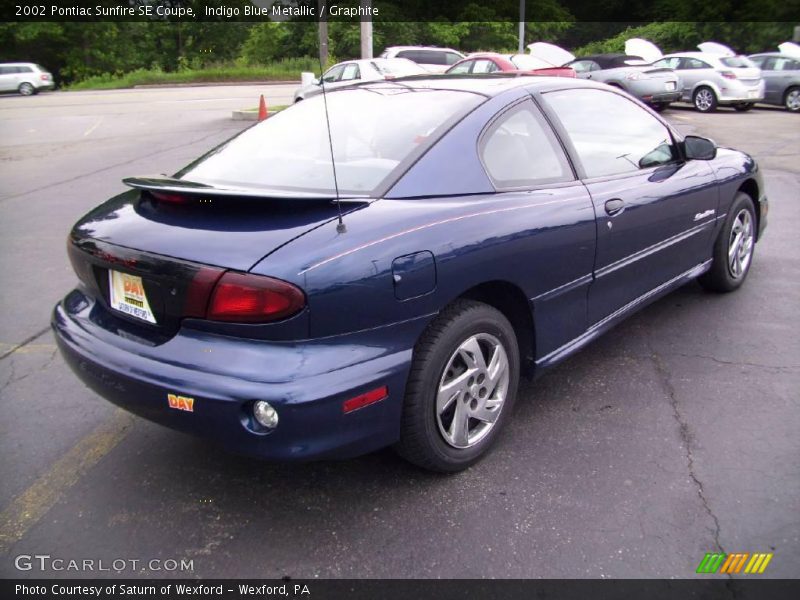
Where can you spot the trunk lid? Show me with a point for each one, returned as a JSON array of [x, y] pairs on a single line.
[[170, 254]]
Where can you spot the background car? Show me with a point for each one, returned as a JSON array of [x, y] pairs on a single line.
[[25, 78], [353, 71], [781, 73], [473, 229], [654, 85], [433, 59], [492, 62], [716, 79]]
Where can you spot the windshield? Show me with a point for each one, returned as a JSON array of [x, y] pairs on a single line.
[[373, 129], [737, 61]]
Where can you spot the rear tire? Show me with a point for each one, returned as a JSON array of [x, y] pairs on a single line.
[[744, 107], [461, 388], [791, 99], [26, 89], [704, 99], [733, 248], [660, 106]]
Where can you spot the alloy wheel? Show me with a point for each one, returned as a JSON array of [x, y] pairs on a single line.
[[472, 390], [740, 244], [704, 100], [793, 100]]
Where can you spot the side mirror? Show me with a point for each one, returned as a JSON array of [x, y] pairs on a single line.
[[699, 148]]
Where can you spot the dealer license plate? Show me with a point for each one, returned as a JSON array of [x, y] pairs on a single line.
[[127, 295]]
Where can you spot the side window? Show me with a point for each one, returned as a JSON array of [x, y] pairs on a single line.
[[611, 134], [463, 68], [695, 63], [784, 64], [673, 62], [333, 74], [759, 61], [584, 66], [5, 70], [520, 150], [24, 70], [484, 66], [350, 72], [451, 58], [432, 57]]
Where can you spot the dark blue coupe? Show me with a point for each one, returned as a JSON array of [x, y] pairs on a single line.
[[485, 228]]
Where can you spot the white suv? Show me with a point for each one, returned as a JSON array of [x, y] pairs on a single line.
[[25, 78], [433, 59]]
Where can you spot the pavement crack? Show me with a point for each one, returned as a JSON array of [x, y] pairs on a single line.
[[734, 362], [25, 342], [686, 440]]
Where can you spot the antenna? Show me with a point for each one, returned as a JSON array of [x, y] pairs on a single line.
[[340, 227]]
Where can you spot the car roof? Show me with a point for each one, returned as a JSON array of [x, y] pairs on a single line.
[[435, 48], [610, 60], [487, 84], [779, 54], [701, 55], [19, 64]]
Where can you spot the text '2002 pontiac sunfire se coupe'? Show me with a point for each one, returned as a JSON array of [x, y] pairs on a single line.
[[486, 228]]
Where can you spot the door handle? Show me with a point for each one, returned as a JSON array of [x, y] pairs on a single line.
[[614, 206]]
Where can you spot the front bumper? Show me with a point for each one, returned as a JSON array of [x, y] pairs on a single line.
[[306, 382]]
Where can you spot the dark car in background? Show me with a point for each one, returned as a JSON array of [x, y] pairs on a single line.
[[472, 230], [654, 85]]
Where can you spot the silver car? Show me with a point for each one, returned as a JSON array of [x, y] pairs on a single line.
[[654, 85], [781, 74], [711, 79], [354, 71], [25, 78]]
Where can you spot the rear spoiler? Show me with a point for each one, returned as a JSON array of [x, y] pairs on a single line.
[[170, 185]]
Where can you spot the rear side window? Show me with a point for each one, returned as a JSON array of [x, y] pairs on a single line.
[[24, 70], [350, 72], [736, 62], [611, 134], [694, 63], [520, 150]]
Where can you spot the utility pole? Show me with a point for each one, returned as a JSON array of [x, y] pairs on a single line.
[[323, 36], [366, 30], [521, 47]]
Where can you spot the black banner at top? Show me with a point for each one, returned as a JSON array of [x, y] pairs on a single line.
[[629, 11]]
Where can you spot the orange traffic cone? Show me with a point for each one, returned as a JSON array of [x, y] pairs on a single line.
[[262, 109]]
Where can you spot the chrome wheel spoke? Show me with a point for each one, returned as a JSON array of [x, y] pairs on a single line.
[[740, 246], [472, 390]]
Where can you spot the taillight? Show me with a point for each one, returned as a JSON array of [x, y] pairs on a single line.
[[170, 198], [247, 298], [728, 74], [45, 77]]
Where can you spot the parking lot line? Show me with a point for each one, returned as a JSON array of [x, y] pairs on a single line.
[[32, 504]]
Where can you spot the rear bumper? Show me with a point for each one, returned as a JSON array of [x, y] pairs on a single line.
[[306, 383], [741, 93], [665, 97]]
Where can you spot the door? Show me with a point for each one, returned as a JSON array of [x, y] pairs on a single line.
[[778, 72], [654, 211], [8, 78], [692, 72]]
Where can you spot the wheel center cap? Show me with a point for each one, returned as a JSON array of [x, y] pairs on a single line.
[[474, 390]]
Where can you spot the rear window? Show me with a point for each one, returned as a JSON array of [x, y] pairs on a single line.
[[737, 62], [373, 130]]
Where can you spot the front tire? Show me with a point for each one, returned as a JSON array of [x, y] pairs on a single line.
[[733, 248], [704, 99], [791, 100], [461, 388], [26, 89]]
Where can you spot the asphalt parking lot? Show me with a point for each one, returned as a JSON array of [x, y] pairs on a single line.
[[674, 435]]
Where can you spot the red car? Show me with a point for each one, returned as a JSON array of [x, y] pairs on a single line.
[[492, 62]]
